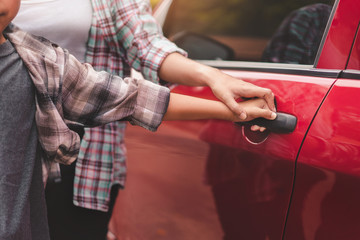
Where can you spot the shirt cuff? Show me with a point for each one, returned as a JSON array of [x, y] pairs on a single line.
[[161, 48], [151, 105]]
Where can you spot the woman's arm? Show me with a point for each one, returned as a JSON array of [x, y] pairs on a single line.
[[183, 107], [179, 69]]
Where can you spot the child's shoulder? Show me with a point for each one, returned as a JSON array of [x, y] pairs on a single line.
[[24, 41]]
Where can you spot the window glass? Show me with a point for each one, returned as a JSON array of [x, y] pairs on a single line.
[[249, 30]]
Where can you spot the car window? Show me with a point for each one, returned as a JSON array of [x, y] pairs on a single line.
[[286, 31]]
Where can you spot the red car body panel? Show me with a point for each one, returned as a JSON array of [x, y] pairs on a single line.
[[245, 182], [325, 203], [340, 37], [214, 179]]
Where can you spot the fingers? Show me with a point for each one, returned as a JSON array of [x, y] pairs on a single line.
[[256, 108], [249, 90], [262, 111], [270, 99], [256, 128], [231, 89], [259, 112], [263, 93], [234, 107]]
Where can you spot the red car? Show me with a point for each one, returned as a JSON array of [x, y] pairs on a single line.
[[218, 180]]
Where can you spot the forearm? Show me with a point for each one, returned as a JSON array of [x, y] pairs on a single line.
[[181, 70], [178, 69], [183, 107]]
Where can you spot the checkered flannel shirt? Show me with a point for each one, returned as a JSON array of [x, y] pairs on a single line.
[[123, 35], [70, 92]]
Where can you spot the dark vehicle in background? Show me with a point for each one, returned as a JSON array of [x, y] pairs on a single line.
[[218, 180]]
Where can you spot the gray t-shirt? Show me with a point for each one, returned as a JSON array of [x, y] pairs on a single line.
[[22, 202]]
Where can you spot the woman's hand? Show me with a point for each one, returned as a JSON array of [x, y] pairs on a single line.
[[181, 70], [255, 108], [228, 89]]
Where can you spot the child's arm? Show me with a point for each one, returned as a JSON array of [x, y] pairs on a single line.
[[183, 107]]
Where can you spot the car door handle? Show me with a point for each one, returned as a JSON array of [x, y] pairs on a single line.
[[283, 123]]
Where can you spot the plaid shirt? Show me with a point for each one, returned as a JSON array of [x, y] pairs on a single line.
[[123, 34], [70, 92]]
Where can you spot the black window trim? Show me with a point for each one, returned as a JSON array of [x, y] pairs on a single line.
[[350, 74]]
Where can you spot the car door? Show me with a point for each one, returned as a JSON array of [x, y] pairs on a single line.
[[325, 201], [215, 179]]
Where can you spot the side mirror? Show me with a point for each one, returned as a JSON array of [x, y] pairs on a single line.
[[200, 47]]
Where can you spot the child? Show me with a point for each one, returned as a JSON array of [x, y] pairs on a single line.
[[43, 90]]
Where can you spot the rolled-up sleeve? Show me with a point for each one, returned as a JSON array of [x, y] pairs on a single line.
[[151, 105], [95, 98], [142, 37]]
